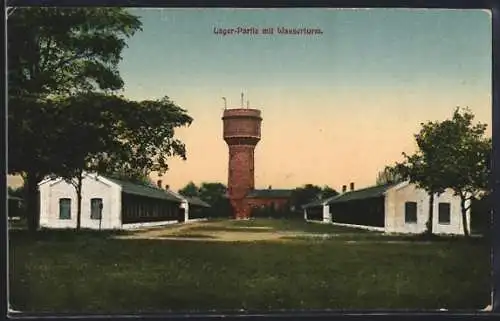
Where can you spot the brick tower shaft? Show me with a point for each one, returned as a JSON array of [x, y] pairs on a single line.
[[241, 133]]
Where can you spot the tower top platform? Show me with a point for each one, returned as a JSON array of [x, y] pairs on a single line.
[[241, 112]]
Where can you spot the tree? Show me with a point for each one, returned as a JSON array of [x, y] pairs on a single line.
[[98, 134], [17, 192], [55, 51], [328, 192], [425, 166], [466, 165], [452, 154], [212, 192], [31, 141], [305, 194], [389, 175], [135, 177], [83, 134], [66, 50], [146, 130], [215, 194], [190, 190]]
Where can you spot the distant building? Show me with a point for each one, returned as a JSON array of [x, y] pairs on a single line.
[[109, 203], [192, 208], [318, 210], [391, 208], [276, 198]]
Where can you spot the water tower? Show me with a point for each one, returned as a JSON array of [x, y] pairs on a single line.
[[241, 133]]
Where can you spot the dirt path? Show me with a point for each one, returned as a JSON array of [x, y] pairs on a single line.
[[226, 231], [191, 232]]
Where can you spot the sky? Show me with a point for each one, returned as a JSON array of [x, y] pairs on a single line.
[[337, 107]]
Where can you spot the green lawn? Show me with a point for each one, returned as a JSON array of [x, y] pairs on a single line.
[[293, 225], [60, 271], [275, 225]]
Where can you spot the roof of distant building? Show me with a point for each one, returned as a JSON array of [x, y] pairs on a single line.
[[319, 202], [364, 193], [196, 201], [270, 193], [145, 190]]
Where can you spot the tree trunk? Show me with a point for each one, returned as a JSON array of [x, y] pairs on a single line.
[[32, 201], [430, 220], [464, 216], [79, 202]]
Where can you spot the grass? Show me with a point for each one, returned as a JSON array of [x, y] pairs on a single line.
[[295, 226], [17, 223], [60, 271], [276, 225]]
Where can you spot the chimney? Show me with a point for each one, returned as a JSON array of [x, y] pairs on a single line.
[[167, 187], [158, 183], [352, 186], [344, 188]]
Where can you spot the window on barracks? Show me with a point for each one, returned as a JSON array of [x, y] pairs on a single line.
[[95, 208], [410, 212], [64, 208], [444, 213]]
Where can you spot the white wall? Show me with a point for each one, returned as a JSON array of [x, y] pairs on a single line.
[[455, 226], [327, 216], [131, 226], [185, 206], [395, 200], [52, 191], [362, 227], [395, 211]]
